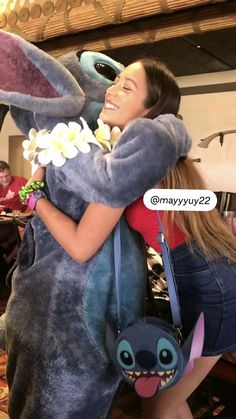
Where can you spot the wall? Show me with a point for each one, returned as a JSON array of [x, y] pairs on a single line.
[[8, 128], [208, 113]]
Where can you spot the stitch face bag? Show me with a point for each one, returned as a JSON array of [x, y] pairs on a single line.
[[149, 354]]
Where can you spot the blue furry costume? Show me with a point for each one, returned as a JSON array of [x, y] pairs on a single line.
[[58, 366]]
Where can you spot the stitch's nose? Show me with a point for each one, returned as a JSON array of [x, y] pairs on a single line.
[[146, 359]]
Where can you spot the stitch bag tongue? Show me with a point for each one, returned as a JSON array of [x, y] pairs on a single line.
[[147, 386]]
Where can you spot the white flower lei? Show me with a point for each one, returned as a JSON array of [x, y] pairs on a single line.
[[65, 141]]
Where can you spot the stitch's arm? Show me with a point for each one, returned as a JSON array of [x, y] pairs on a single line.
[[145, 153]]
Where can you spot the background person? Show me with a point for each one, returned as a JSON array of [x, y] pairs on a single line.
[[9, 189]]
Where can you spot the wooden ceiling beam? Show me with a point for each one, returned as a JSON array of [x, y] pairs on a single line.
[[147, 30]]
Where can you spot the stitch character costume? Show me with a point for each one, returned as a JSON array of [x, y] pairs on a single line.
[[58, 366]]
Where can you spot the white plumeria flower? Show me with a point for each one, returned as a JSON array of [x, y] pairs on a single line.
[[58, 145], [64, 142], [30, 145], [80, 140], [86, 136], [103, 130], [115, 135], [103, 134]]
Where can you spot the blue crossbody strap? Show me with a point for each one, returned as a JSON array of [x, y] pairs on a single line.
[[171, 284], [170, 279], [117, 262]]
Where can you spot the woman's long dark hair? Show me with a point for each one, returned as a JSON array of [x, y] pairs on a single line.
[[163, 94]]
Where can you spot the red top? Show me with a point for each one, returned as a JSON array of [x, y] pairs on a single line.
[[9, 197], [144, 220]]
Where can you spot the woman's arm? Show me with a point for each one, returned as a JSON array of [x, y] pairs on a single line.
[[81, 241]]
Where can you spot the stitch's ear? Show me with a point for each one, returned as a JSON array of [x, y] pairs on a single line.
[[43, 91], [34, 81]]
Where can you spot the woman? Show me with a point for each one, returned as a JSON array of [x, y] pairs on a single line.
[[203, 254], [57, 313], [203, 251]]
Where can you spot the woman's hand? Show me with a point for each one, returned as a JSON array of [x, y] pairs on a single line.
[[38, 175]]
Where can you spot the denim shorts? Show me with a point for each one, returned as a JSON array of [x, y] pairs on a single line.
[[208, 287]]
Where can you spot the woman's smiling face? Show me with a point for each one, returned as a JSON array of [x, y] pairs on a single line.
[[124, 100]]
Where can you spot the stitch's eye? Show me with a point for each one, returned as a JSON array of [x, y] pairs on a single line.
[[166, 353], [125, 355], [165, 356], [106, 71]]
